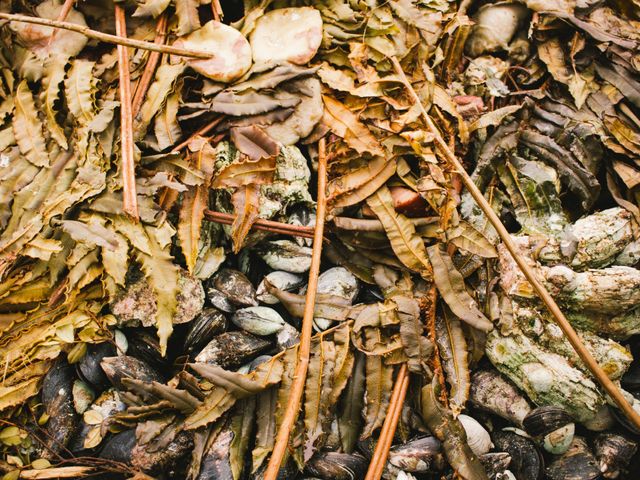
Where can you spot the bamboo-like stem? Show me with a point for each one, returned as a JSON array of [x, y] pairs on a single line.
[[62, 16], [202, 131], [261, 224], [129, 200], [610, 388], [150, 67], [105, 37], [304, 351], [381, 452]]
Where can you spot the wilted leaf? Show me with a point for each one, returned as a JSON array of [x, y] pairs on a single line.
[[253, 142], [417, 346], [53, 77], [350, 419], [194, 203], [356, 185], [152, 8], [452, 348], [466, 237], [188, 19], [249, 103], [379, 382], [160, 89], [27, 127], [246, 205], [246, 172], [80, 89]]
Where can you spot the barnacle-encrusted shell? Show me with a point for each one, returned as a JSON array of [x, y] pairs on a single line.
[[614, 452], [492, 392]]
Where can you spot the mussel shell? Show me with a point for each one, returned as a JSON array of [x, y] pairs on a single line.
[[527, 462], [578, 463], [89, 367], [260, 321], [125, 366], [107, 405], [495, 463], [119, 447], [613, 452], [232, 349], [57, 398], [286, 255], [201, 330], [220, 300], [144, 345], [337, 466], [236, 287], [216, 460], [419, 455], [492, 392], [545, 419], [283, 280]]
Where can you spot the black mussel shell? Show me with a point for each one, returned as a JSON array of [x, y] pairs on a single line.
[[57, 398], [232, 349], [236, 287], [119, 447], [527, 462], [613, 452], [216, 462], [125, 366], [546, 419], [495, 463], [201, 330], [144, 345], [89, 367], [578, 463], [337, 466]]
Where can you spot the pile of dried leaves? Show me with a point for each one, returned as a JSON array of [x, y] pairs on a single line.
[[157, 204]]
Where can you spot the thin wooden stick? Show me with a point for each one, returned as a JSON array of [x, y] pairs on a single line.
[[105, 37], [261, 224], [129, 199], [216, 9], [610, 388], [62, 16], [304, 351], [202, 131], [381, 452], [150, 67]]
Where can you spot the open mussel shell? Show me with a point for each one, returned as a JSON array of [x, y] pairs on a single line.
[[125, 366], [337, 466], [89, 367], [578, 463], [417, 456], [613, 452], [232, 349], [260, 321], [203, 328], [236, 287], [526, 460]]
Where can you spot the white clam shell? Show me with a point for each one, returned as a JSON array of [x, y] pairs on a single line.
[[478, 438], [260, 321]]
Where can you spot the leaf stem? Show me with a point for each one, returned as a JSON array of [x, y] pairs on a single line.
[[302, 364], [388, 430], [260, 224], [150, 67], [612, 390], [129, 200], [105, 37]]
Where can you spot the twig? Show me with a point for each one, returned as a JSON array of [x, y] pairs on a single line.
[[150, 67], [381, 452], [612, 390], [105, 37], [260, 224], [302, 364], [217, 9], [202, 131], [129, 200], [374, 225], [62, 16]]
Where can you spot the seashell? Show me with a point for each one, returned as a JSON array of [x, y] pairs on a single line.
[[220, 300], [526, 460], [337, 466], [286, 255], [553, 425], [216, 461], [578, 463], [495, 464], [495, 27], [603, 420], [57, 398], [201, 330], [232, 349], [419, 455], [236, 287], [492, 392], [336, 281], [260, 321], [287, 337], [89, 367], [105, 406], [125, 366], [478, 438], [283, 280], [83, 395], [614, 453], [144, 345]]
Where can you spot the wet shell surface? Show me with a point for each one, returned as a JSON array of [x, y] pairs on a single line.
[[235, 285], [337, 281], [478, 438], [124, 366], [578, 463], [232, 349], [283, 280], [614, 453], [286, 255], [201, 330], [260, 321]]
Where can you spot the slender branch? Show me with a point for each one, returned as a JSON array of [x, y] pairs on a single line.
[[129, 200], [216, 9], [202, 131], [374, 225], [304, 351], [612, 390], [150, 67], [381, 452], [62, 16], [105, 37], [260, 224]]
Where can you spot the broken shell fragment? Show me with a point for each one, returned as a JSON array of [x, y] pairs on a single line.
[[236, 287], [287, 35], [614, 453], [283, 280], [230, 51], [286, 255], [478, 438], [232, 349], [260, 321]]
